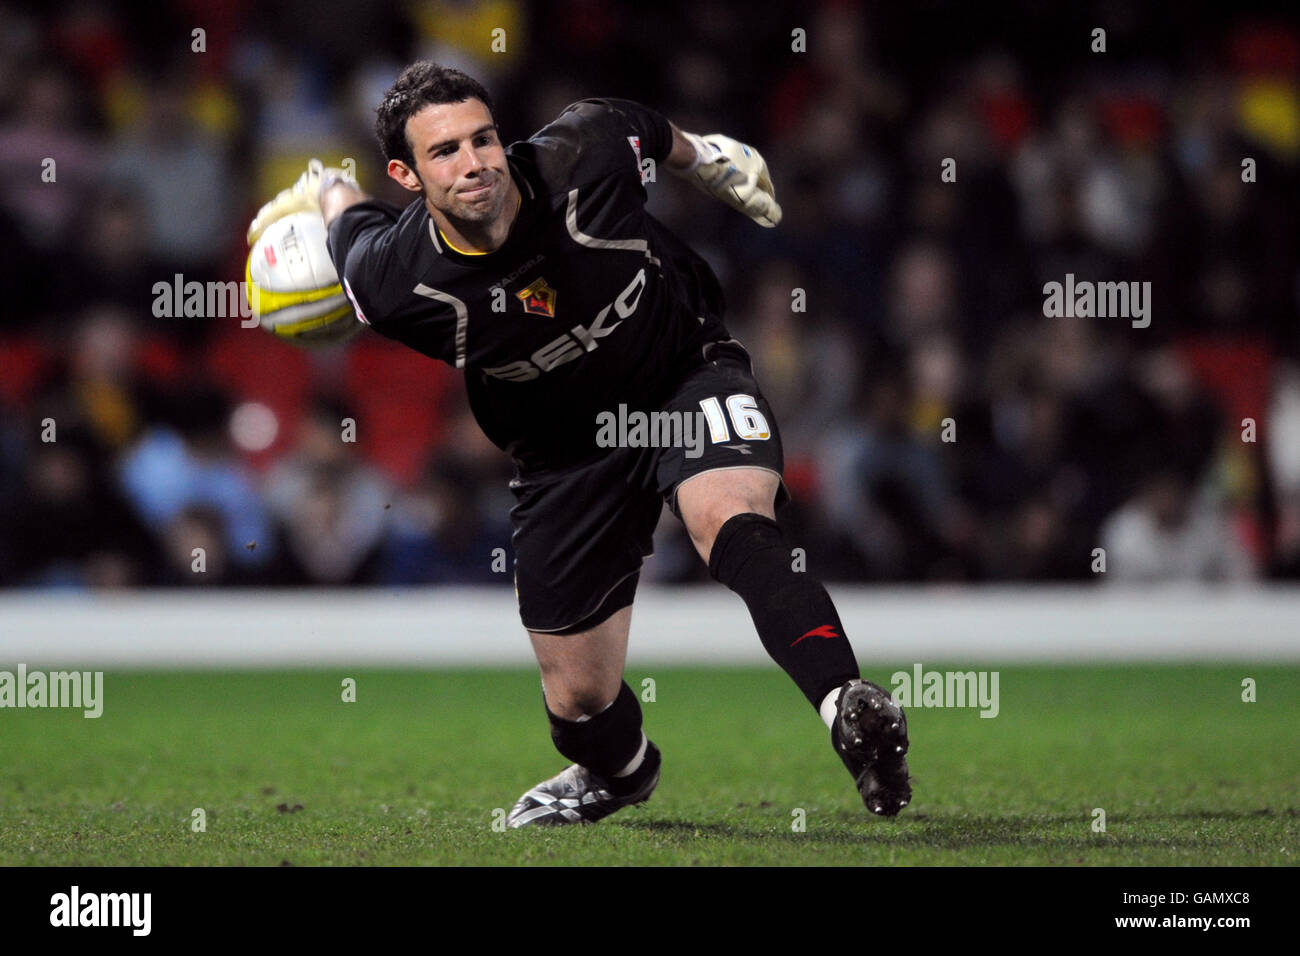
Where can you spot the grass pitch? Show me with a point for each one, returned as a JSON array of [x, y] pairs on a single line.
[[412, 772]]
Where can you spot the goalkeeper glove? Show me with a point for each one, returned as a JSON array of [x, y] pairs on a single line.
[[736, 174], [302, 196]]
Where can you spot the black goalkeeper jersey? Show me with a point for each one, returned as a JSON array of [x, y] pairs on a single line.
[[589, 304]]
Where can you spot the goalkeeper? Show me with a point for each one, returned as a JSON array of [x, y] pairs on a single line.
[[536, 269]]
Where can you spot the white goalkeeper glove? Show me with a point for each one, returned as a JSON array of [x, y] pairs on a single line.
[[736, 174], [302, 196]]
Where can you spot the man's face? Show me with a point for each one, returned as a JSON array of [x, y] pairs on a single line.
[[459, 159]]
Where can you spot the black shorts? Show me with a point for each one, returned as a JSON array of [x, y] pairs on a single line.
[[581, 533]]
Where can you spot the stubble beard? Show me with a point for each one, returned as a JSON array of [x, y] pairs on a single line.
[[478, 212]]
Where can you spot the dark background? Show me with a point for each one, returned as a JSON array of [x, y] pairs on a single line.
[[924, 298]]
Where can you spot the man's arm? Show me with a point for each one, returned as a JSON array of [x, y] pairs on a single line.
[[338, 196], [728, 170], [683, 157]]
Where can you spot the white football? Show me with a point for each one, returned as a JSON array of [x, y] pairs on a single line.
[[293, 288]]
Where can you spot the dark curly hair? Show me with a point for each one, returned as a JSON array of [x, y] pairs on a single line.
[[421, 84]]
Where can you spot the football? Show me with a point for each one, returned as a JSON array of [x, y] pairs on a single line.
[[293, 288]]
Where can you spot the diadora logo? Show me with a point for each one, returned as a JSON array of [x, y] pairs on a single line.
[[538, 298], [579, 339], [826, 630], [516, 273]]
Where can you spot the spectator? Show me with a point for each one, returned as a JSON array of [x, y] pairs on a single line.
[[331, 506], [190, 463], [1168, 532]]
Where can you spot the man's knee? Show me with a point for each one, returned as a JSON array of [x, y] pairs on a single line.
[[581, 672], [577, 686], [708, 501], [705, 527], [576, 696]]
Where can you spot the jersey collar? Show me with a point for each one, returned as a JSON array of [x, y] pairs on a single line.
[[444, 246]]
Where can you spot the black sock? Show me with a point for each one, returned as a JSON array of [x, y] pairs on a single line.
[[608, 742], [794, 615]]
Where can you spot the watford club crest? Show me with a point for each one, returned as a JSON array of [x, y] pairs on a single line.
[[538, 298]]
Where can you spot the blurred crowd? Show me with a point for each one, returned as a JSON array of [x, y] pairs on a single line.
[[937, 426]]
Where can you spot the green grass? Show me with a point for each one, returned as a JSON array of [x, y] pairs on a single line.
[[411, 773]]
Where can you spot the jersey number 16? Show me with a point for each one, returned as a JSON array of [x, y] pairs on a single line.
[[748, 421]]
